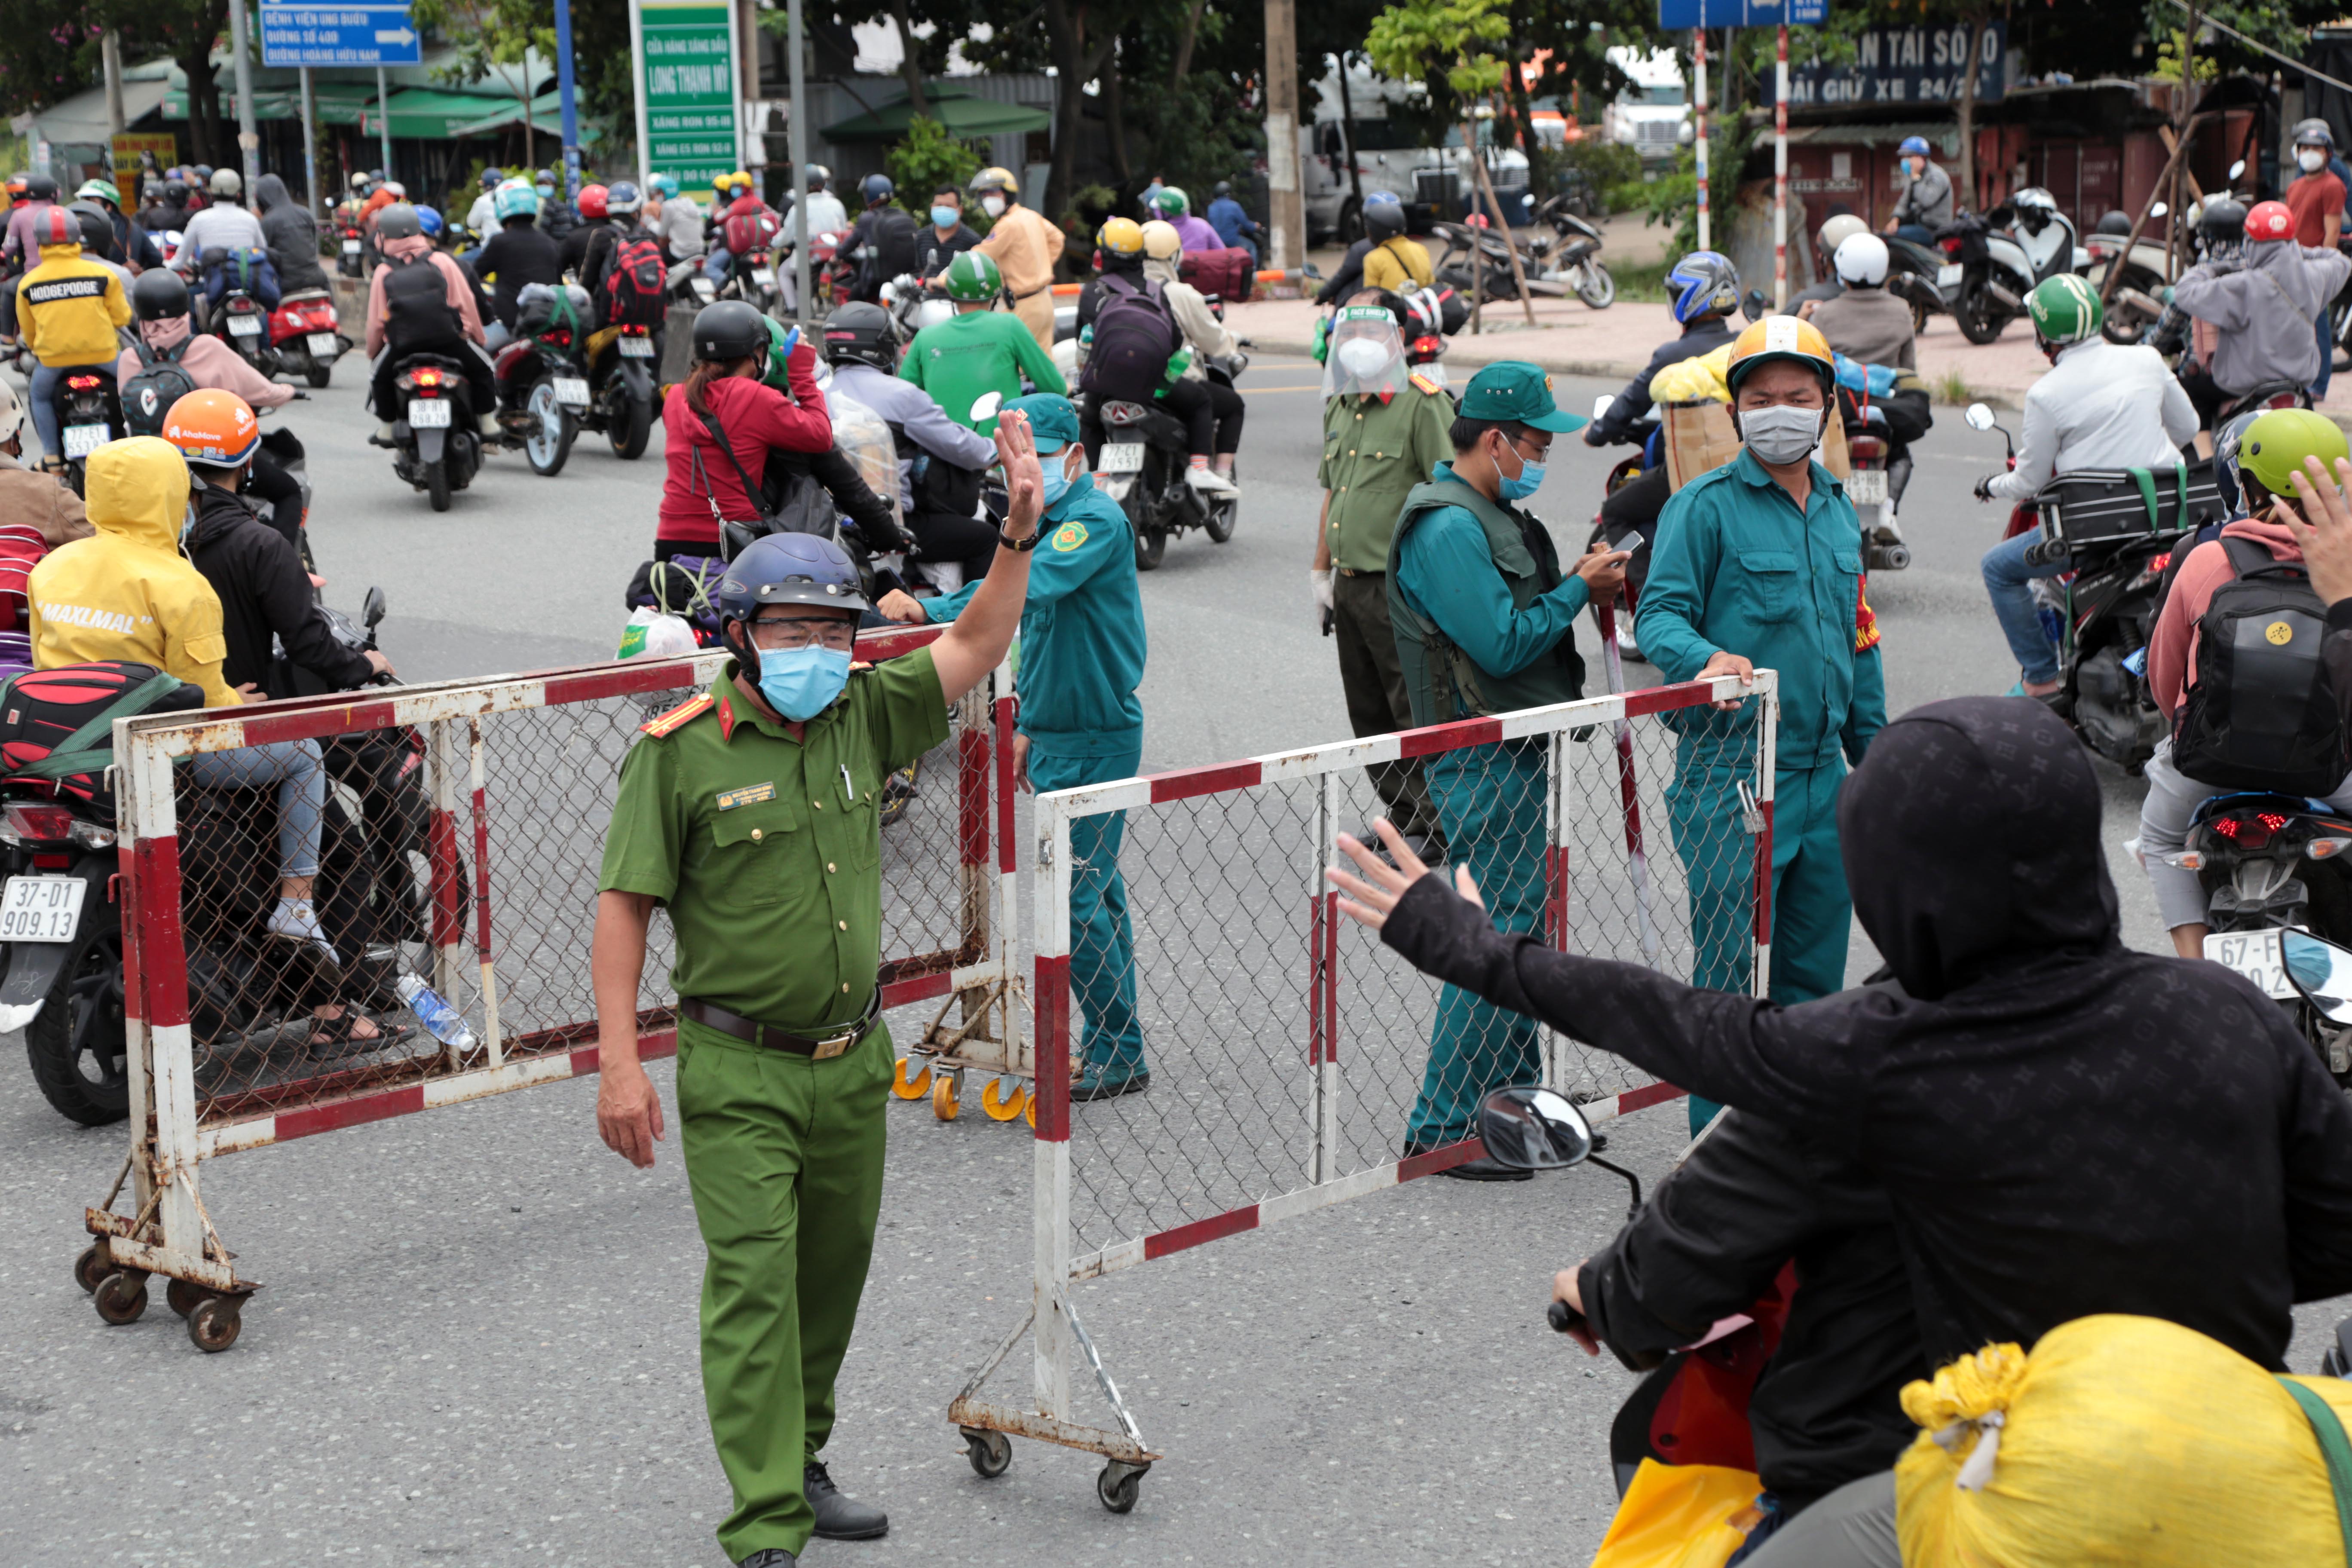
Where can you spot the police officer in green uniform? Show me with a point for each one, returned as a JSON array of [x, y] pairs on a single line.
[[1081, 723], [1758, 563], [750, 813], [1483, 623]]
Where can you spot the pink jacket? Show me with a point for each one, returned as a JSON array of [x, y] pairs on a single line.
[[2172, 646], [461, 293], [208, 362]]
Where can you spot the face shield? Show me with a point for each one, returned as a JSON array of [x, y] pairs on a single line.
[[1365, 353]]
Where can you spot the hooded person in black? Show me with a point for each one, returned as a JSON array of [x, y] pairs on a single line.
[[292, 236], [266, 601]]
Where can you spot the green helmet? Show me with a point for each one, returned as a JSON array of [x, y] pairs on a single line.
[[973, 278], [2065, 310], [98, 189], [1171, 202], [2276, 443]]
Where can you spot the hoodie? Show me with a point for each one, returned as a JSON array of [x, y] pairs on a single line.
[[126, 592], [2264, 308], [2172, 646], [209, 362], [2064, 1127], [69, 306], [291, 235]]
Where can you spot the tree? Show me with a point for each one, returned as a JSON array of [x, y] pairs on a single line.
[[52, 53]]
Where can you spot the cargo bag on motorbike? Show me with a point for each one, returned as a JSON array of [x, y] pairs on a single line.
[[747, 232], [635, 291], [160, 381], [56, 726], [1225, 273], [2091, 505], [2262, 714], [1134, 335]]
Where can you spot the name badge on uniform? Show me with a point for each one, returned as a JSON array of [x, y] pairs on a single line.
[[750, 794]]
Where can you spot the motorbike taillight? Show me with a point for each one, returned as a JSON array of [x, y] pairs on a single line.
[[26, 822], [425, 379], [2249, 829], [1865, 448], [1951, 244], [561, 337], [81, 384]]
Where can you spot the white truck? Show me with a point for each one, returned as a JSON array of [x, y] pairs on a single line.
[[1436, 180], [1653, 115]]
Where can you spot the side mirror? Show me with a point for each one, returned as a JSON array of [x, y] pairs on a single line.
[[1979, 417], [2320, 971], [1539, 1129], [2158, 210], [1601, 405], [2237, 169], [984, 407], [1757, 306], [372, 608]]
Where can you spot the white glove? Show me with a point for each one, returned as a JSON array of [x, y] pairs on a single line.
[[1321, 578]]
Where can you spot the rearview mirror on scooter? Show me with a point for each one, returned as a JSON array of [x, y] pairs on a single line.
[[372, 608], [2237, 169], [1601, 405], [2320, 971], [984, 407], [1979, 417], [1757, 306], [1533, 1129]]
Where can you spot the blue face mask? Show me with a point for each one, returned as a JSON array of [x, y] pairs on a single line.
[[946, 217], [801, 683], [1531, 478], [1057, 485]]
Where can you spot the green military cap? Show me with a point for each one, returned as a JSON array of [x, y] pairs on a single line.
[[1053, 419], [1514, 390]]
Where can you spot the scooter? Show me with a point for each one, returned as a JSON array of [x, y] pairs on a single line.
[[1875, 481], [556, 401], [240, 321], [913, 307], [622, 362], [1573, 256], [351, 261], [436, 444], [306, 336], [1139, 453], [689, 286], [90, 414], [2002, 257]]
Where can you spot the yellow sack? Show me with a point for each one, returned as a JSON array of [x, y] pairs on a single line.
[[2120, 1440], [1681, 1516], [1698, 380]]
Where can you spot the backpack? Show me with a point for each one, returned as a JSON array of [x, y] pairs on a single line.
[[416, 309], [635, 291], [890, 247], [2262, 714], [56, 726], [749, 231], [1134, 336], [161, 381]]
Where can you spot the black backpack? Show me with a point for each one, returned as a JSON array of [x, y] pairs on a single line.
[[1135, 333], [890, 250], [416, 309], [2262, 714], [161, 381]]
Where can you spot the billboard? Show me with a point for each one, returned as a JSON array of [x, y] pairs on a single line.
[[1925, 65]]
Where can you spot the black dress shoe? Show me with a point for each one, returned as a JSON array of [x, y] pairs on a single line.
[[839, 1517], [770, 1557], [1486, 1169]]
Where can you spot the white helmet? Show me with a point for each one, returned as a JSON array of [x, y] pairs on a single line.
[[1861, 259]]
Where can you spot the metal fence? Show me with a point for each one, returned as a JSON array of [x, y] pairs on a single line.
[[1185, 930], [464, 832]]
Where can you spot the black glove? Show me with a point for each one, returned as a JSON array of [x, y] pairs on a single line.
[[1984, 488], [1592, 436]]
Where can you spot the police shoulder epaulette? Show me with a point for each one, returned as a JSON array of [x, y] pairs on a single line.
[[1425, 385], [668, 723]]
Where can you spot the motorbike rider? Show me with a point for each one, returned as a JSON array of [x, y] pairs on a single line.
[[422, 301], [126, 593], [1346, 280], [134, 245], [947, 236], [98, 242], [68, 311], [516, 256], [29, 499], [1174, 208], [1208, 338], [223, 226], [1925, 207], [825, 212], [1234, 226], [1705, 290], [979, 349], [939, 460], [741, 222], [2316, 198], [882, 242], [1838, 227], [2150, 1110], [291, 236], [1120, 246], [2263, 303], [595, 219], [40, 196], [705, 485], [1394, 262], [623, 209], [557, 216], [482, 217], [874, 517], [1863, 322], [2101, 405], [679, 228], [1025, 248]]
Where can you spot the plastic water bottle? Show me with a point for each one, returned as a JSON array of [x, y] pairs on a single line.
[[447, 1024]]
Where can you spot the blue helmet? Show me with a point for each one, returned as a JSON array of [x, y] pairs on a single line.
[[1703, 283], [493, 178], [1913, 146], [428, 220], [876, 188], [515, 200], [621, 199], [666, 184], [785, 568]]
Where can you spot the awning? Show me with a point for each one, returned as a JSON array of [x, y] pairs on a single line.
[[546, 115], [436, 116], [955, 109], [80, 120]]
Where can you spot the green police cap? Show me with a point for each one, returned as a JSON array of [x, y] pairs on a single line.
[[1514, 390], [1053, 419]]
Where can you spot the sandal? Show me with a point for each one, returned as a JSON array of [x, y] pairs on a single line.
[[343, 1031]]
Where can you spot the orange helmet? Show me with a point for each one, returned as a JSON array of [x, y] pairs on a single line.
[[213, 429], [1779, 337]]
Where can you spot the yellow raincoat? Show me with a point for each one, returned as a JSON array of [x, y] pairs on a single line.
[[127, 592]]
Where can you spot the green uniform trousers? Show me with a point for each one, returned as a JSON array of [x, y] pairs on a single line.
[[1812, 910], [1490, 806], [784, 1154], [1373, 681]]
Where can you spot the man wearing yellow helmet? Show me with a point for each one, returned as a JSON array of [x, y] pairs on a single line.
[[1024, 248], [1758, 563]]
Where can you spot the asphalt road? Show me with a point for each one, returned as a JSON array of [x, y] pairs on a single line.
[[478, 1342]]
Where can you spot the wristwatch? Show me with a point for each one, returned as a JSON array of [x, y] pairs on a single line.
[[1020, 546]]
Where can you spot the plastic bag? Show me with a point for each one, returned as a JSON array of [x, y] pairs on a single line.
[[1681, 1516], [653, 634], [2119, 1439], [861, 435]]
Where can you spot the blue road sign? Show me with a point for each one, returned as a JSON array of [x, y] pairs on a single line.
[[311, 35], [1681, 14]]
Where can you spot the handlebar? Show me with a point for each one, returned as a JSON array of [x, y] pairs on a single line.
[[1565, 1318]]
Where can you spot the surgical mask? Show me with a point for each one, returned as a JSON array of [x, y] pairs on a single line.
[[1780, 434], [801, 682], [992, 205], [1058, 484], [946, 217], [1530, 480], [1363, 358], [2311, 159]]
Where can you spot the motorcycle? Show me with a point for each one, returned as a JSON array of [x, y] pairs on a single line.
[[2001, 257], [1918, 275], [1573, 256], [436, 444], [90, 414], [689, 286], [1139, 453], [351, 260], [622, 362], [751, 276], [1875, 480], [306, 337], [914, 307], [239, 321], [556, 402], [2279, 902]]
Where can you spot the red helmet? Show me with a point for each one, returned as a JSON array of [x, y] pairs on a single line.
[[57, 227], [2270, 220], [592, 202]]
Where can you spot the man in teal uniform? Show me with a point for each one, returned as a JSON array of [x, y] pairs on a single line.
[[1483, 623], [750, 812], [1081, 723], [1758, 563]]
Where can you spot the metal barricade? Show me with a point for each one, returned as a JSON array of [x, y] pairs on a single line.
[[464, 834], [1291, 1058]]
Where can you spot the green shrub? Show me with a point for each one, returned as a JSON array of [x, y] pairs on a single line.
[[929, 158]]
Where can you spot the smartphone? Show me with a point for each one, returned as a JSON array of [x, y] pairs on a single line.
[[1631, 542]]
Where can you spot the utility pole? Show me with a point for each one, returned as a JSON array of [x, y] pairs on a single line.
[[1289, 211], [1781, 175], [309, 145], [110, 45], [799, 132], [1698, 127], [571, 107], [637, 95], [384, 122], [249, 141]]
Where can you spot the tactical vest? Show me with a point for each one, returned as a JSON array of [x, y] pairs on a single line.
[[1440, 680]]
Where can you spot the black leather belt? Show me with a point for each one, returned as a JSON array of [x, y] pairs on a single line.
[[1032, 293], [822, 1047]]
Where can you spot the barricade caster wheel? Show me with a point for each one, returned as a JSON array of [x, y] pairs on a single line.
[[990, 1453], [946, 1088], [182, 1297], [120, 1297], [906, 1087], [214, 1323], [1119, 1484], [1008, 1105], [91, 1266]]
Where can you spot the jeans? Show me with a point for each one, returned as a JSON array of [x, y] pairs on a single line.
[[718, 265], [2172, 799], [300, 776], [1917, 233], [2005, 578], [43, 389]]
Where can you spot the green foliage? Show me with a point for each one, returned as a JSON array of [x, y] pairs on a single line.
[[1447, 43], [1642, 280], [1089, 205], [1612, 169], [929, 158]]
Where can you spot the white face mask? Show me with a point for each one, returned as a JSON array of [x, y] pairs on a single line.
[[1364, 358], [992, 205], [1780, 434], [2311, 159]]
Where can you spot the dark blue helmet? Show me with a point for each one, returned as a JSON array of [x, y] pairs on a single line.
[[428, 222], [493, 178], [785, 568], [875, 189], [1703, 283]]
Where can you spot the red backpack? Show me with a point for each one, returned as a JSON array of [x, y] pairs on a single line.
[[636, 289], [56, 726], [750, 226]]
